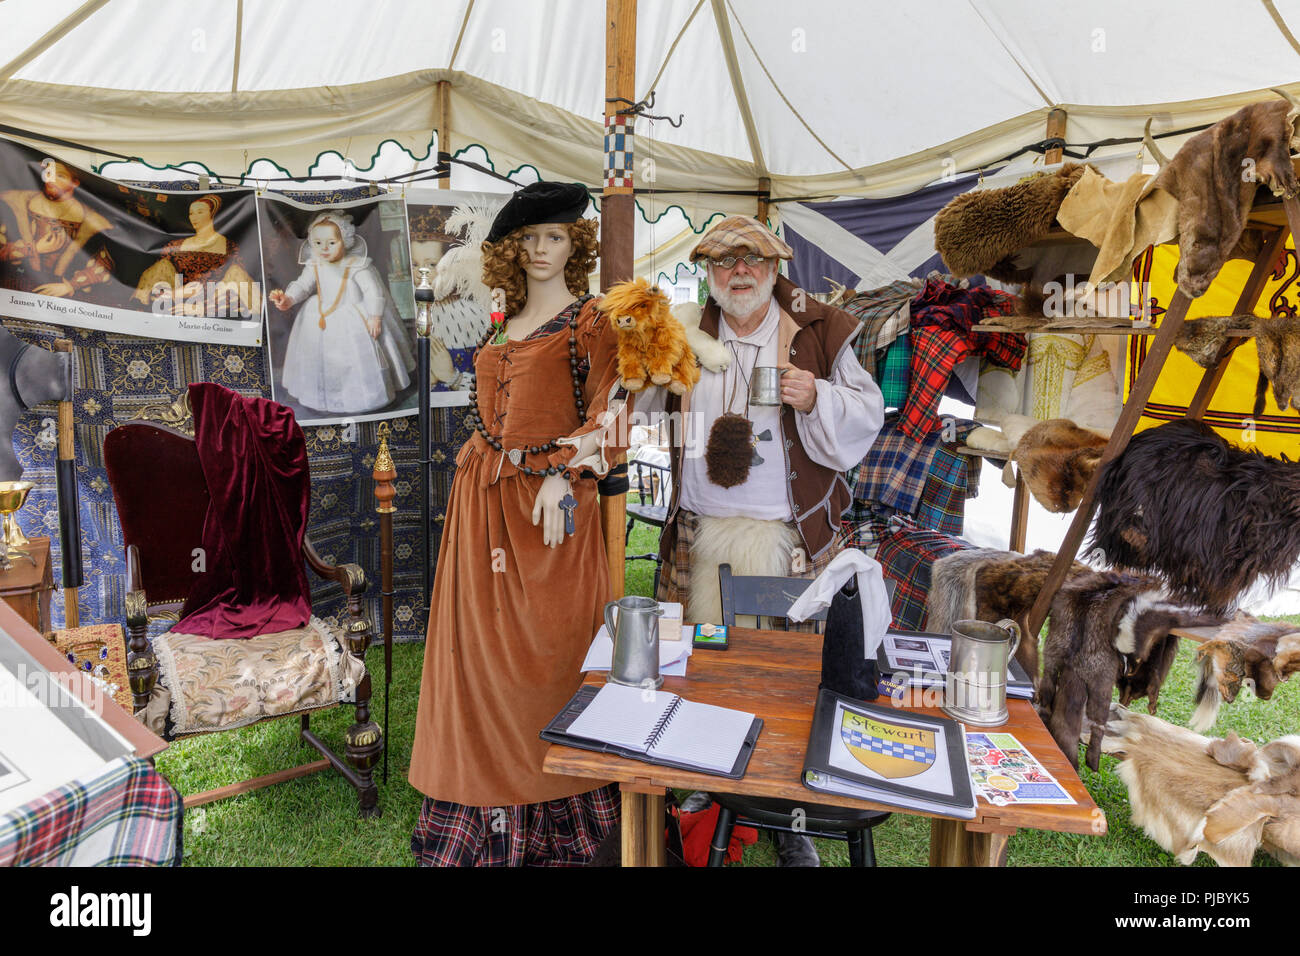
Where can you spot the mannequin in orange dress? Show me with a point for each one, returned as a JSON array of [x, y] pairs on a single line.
[[516, 600]]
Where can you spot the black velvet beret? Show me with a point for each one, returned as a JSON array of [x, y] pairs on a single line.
[[538, 203]]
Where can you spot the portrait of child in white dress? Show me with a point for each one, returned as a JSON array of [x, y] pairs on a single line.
[[348, 351]]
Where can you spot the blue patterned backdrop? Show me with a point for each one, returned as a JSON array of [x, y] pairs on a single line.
[[117, 375]]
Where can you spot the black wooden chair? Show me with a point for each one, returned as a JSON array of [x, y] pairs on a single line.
[[772, 596], [650, 483]]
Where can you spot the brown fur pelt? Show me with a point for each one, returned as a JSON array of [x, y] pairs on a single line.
[[980, 231], [1245, 651], [951, 597], [1214, 197], [1081, 662], [1007, 588], [1201, 340], [1221, 796], [1207, 516], [729, 452], [1277, 342], [651, 342], [1057, 459]]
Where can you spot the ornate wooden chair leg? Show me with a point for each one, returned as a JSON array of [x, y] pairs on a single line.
[[365, 739], [141, 664]]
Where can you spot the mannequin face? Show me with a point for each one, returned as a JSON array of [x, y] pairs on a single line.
[[326, 243], [548, 247]]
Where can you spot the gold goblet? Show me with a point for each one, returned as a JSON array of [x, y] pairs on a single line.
[[13, 495]]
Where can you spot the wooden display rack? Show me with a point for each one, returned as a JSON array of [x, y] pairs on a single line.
[[1277, 220]]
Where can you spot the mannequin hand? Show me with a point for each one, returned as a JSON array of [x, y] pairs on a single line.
[[440, 362], [374, 326], [798, 388], [547, 510]]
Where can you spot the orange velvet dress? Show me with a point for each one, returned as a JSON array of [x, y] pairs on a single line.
[[510, 619]]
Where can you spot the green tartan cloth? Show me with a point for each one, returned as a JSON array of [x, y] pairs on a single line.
[[894, 372]]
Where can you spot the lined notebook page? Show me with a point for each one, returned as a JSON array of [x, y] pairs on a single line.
[[622, 715], [704, 735]]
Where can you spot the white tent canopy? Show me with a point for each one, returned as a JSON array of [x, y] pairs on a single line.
[[822, 97]]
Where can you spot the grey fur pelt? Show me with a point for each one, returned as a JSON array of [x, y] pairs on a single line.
[[952, 587]]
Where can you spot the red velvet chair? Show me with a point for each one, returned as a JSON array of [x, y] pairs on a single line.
[[162, 497]]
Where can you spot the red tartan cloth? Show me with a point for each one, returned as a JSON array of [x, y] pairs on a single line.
[[906, 557], [942, 316]]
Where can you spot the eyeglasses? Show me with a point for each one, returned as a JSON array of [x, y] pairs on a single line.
[[730, 261]]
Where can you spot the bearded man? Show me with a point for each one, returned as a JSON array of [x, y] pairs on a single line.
[[768, 493]]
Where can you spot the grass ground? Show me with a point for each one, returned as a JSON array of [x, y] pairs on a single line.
[[312, 821]]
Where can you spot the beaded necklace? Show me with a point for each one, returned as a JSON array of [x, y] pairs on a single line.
[[516, 455]]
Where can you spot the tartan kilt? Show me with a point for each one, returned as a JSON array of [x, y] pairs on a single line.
[[675, 574], [564, 832]]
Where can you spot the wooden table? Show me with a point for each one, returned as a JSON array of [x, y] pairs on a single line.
[[27, 587], [774, 675]]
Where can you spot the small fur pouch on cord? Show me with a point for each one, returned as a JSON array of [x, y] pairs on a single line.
[[980, 231], [1208, 517], [1245, 651], [1221, 796], [1214, 198]]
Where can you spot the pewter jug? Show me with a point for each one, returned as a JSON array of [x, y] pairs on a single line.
[[636, 641], [976, 688]]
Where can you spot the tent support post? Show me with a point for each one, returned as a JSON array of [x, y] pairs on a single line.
[[764, 198], [617, 229], [444, 129], [1055, 130]]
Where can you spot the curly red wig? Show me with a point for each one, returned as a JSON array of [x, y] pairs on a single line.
[[503, 263]]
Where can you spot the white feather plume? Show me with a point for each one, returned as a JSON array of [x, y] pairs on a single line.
[[460, 270]]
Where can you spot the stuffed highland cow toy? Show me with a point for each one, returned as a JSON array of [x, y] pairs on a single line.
[[652, 348]]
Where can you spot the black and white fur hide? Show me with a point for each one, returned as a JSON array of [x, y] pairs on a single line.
[[1206, 516]]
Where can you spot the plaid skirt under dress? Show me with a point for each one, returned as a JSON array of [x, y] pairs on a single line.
[[563, 832]]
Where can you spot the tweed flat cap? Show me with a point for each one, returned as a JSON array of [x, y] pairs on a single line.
[[740, 232], [537, 203]]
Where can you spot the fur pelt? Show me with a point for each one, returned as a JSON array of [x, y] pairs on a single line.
[[652, 347], [980, 231], [1277, 342], [951, 597], [709, 352], [1245, 651], [1201, 340], [1057, 459], [1207, 516], [1214, 197], [1007, 588], [750, 545], [1080, 660], [1221, 796]]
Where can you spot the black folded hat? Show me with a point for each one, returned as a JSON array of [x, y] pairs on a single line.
[[538, 203]]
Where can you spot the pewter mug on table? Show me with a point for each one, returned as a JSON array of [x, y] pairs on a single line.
[[765, 385], [976, 687], [636, 641]]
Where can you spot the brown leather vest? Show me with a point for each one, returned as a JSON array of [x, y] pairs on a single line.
[[818, 495]]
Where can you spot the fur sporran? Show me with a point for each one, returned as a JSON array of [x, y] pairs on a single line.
[[751, 546], [729, 451]]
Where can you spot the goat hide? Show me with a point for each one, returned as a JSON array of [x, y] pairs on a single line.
[[980, 231], [1008, 588], [1245, 651], [1080, 661], [1214, 197], [1193, 794], [1208, 517], [1057, 458]]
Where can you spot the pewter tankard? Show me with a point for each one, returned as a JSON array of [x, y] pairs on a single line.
[[976, 687], [765, 386], [636, 641]]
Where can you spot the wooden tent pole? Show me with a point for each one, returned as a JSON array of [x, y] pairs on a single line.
[[617, 229], [764, 198], [1055, 130], [444, 129]]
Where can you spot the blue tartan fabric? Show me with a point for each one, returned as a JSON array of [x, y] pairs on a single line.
[[906, 556], [943, 499], [125, 815], [897, 469], [896, 372]]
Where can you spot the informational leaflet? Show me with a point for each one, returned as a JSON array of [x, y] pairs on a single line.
[[1004, 772]]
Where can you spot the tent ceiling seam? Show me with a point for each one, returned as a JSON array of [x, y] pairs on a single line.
[[460, 35], [737, 87], [69, 23], [239, 45], [1282, 28], [1014, 59], [672, 49], [780, 93]]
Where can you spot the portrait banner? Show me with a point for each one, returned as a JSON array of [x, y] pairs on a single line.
[[460, 313], [80, 250], [340, 308]]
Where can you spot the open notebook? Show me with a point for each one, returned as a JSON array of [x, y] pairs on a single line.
[[657, 727]]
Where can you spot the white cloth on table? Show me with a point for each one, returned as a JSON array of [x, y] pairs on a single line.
[[876, 616]]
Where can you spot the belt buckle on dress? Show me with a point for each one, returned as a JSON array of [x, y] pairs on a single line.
[[516, 456]]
